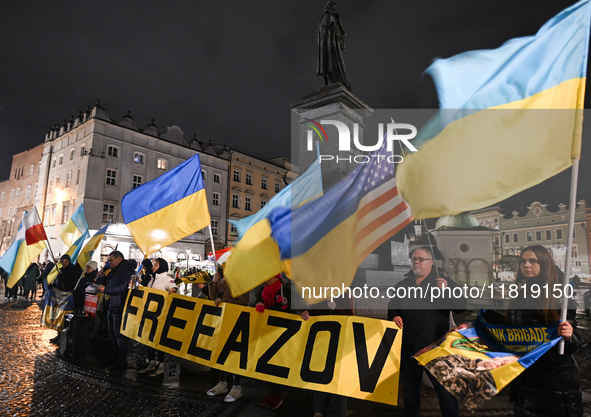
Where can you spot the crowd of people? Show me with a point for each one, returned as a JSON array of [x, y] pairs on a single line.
[[550, 386]]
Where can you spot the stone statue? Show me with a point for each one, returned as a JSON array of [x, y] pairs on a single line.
[[331, 44]]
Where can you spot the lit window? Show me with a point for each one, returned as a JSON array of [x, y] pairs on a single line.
[[72, 152], [137, 181], [46, 218], [235, 200], [217, 178], [31, 170], [57, 181], [10, 211], [558, 233], [236, 176], [108, 212], [39, 168], [277, 187], [65, 209], [214, 227], [111, 177], [162, 163], [247, 204], [12, 194], [52, 217], [113, 151], [264, 183], [248, 179], [18, 192], [138, 158], [216, 199], [68, 179], [233, 231]]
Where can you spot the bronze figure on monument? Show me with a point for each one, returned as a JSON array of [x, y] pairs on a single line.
[[331, 44]]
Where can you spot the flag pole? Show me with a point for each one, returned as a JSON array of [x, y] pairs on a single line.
[[569, 244], [212, 247]]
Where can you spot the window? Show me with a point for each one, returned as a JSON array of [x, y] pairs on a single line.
[[217, 178], [18, 192], [548, 234], [277, 187], [558, 233], [39, 168], [60, 160], [216, 199], [214, 227], [162, 163], [2, 196], [111, 177], [28, 195], [12, 194], [248, 179], [113, 151], [72, 152], [46, 218], [538, 235], [52, 216], [0, 213], [233, 231], [515, 238], [235, 200], [137, 181], [10, 211], [204, 175], [574, 252], [57, 181], [82, 150], [138, 158], [236, 176], [36, 189], [263, 202], [78, 177], [507, 238], [108, 212], [31, 170], [65, 209], [50, 185], [574, 233], [247, 204], [68, 179], [264, 183], [529, 236], [577, 263], [53, 162]]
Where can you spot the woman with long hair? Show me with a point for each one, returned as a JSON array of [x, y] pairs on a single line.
[[551, 386]]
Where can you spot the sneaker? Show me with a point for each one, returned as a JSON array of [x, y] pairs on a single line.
[[149, 368], [274, 403], [234, 394], [220, 388], [159, 370], [119, 365], [265, 401]]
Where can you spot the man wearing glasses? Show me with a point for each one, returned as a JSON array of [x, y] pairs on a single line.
[[424, 322]]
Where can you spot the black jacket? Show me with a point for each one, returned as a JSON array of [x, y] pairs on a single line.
[[80, 293], [68, 277], [119, 278], [424, 321], [551, 385]]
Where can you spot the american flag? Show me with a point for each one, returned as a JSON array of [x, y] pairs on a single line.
[[381, 212]]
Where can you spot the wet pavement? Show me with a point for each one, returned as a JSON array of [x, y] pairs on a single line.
[[36, 381]]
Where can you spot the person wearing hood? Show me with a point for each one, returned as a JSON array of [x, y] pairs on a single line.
[[146, 272], [31, 281], [159, 280], [86, 279]]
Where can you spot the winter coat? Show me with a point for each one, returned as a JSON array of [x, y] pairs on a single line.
[[221, 289], [277, 306], [31, 277], [162, 281], [119, 278], [79, 292], [68, 277], [551, 385], [424, 322]]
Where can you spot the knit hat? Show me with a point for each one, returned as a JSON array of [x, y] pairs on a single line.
[[93, 265], [65, 256]]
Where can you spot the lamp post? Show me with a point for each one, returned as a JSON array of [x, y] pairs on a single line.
[[188, 256]]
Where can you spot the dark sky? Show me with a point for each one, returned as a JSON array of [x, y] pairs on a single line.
[[228, 71]]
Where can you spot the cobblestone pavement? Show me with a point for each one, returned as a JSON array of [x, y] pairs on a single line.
[[36, 381]]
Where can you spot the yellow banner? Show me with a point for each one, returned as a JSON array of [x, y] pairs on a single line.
[[347, 355]]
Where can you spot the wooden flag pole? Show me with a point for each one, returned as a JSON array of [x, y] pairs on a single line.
[[569, 243]]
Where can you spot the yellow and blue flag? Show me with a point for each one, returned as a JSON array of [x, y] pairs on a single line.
[[323, 242], [73, 251], [477, 362], [75, 227], [168, 208], [510, 118], [85, 254]]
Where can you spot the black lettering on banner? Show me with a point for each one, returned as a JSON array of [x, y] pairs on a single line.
[[200, 328], [151, 315], [369, 375], [172, 321], [291, 328], [129, 309], [325, 376], [232, 344]]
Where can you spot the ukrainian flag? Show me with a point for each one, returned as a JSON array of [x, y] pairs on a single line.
[[73, 251], [510, 119], [168, 208], [85, 254], [77, 225]]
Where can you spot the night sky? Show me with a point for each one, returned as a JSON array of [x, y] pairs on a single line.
[[227, 71]]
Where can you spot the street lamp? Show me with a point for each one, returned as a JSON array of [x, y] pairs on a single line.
[[188, 256]]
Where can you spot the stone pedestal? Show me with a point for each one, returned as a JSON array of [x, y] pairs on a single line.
[[333, 102]]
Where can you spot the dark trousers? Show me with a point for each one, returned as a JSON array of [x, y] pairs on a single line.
[[152, 353], [224, 378], [412, 375], [118, 341], [330, 405]]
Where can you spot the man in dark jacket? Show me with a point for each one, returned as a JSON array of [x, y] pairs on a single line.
[[43, 278], [68, 274], [424, 322], [119, 278]]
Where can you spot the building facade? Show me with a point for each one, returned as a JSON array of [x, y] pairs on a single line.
[[17, 193]]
